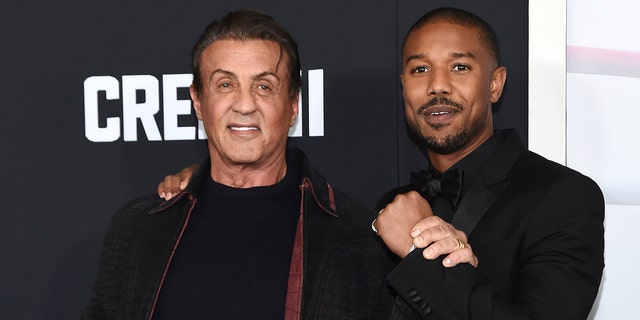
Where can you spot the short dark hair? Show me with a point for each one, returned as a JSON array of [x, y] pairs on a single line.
[[246, 25], [463, 18]]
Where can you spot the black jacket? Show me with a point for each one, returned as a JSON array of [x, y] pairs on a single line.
[[537, 230], [344, 265]]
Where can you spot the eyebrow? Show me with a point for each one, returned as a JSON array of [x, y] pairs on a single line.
[[221, 71], [233, 75], [467, 54], [266, 74], [418, 56]]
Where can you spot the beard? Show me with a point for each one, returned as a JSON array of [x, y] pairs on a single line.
[[453, 142]]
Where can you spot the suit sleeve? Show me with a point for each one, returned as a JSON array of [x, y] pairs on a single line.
[[558, 273]]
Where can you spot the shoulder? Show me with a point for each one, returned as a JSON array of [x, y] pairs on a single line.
[[132, 215], [138, 206], [324, 193], [322, 197], [546, 172], [347, 205], [554, 190]]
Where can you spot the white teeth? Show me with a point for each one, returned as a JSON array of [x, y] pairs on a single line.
[[244, 128], [439, 113]]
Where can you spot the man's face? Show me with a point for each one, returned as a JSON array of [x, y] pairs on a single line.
[[245, 103], [449, 81]]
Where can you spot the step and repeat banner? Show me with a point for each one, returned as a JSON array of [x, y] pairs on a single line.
[[95, 111]]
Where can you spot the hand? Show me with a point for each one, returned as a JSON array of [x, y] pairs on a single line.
[[174, 184], [396, 220], [439, 238]]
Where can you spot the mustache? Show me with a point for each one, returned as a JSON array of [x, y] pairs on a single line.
[[443, 101]]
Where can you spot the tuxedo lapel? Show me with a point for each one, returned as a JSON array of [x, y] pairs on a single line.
[[488, 186], [475, 203]]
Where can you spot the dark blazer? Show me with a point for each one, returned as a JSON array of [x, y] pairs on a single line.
[[343, 266], [537, 230]]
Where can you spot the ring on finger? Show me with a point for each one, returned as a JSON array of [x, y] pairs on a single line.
[[460, 244]]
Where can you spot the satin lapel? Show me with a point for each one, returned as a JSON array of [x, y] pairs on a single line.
[[475, 203], [488, 186]]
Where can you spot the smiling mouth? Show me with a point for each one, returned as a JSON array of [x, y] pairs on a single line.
[[440, 106], [439, 117], [237, 128]]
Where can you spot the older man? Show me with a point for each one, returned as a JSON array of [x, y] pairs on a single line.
[[258, 233]]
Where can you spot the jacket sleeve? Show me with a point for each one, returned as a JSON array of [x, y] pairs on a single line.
[[558, 273], [116, 257]]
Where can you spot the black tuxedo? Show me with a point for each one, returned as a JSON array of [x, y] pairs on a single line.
[[537, 230]]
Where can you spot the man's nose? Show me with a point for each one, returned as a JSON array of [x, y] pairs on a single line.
[[245, 102], [439, 82]]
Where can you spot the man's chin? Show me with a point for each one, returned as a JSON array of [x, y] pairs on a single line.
[[244, 159], [237, 156], [444, 145]]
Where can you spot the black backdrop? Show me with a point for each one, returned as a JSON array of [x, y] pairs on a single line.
[[59, 189]]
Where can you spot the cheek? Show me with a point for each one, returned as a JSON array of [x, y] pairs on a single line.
[[282, 121], [410, 115], [414, 98], [476, 89], [409, 90], [279, 111], [210, 114], [216, 106]]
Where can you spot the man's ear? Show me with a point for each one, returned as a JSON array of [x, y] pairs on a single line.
[[498, 78], [195, 97], [295, 110]]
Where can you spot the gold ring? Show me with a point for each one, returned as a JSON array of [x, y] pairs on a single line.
[[460, 244]]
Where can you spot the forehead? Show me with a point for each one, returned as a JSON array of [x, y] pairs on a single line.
[[244, 56], [446, 37]]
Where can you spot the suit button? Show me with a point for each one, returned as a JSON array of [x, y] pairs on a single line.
[[412, 293], [416, 299], [427, 310]]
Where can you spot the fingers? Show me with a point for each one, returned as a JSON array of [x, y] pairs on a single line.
[[441, 238], [456, 252], [175, 183], [160, 190], [170, 186], [430, 230], [459, 256], [437, 248], [408, 222], [185, 174], [430, 223], [396, 220]]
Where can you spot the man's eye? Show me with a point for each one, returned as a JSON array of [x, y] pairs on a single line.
[[420, 69], [225, 85], [460, 67], [263, 87]]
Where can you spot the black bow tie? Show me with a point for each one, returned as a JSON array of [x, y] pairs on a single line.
[[430, 184]]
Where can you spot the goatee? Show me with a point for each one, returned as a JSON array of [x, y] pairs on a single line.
[[453, 142]]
